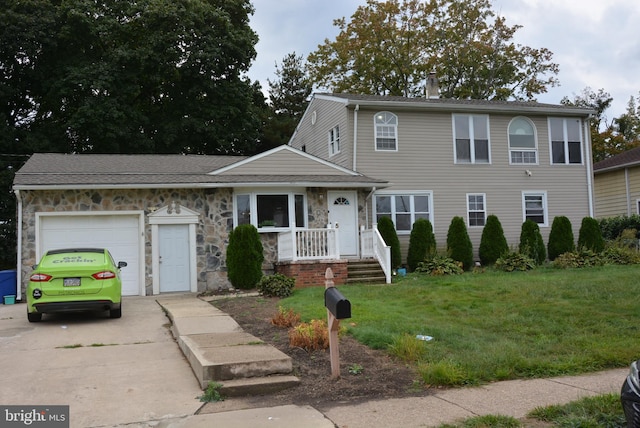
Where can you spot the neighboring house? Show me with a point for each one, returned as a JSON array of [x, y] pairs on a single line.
[[169, 216], [616, 184], [445, 158]]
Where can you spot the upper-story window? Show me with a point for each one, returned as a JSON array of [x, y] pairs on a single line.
[[334, 140], [566, 141], [523, 147], [386, 131], [471, 138]]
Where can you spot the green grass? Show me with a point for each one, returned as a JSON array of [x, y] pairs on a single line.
[[495, 325]]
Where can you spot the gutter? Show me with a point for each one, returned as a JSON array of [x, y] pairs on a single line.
[[587, 134], [19, 247]]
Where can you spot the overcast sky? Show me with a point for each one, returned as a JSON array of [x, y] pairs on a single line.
[[596, 43]]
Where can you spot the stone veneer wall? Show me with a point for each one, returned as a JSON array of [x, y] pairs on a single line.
[[212, 232]]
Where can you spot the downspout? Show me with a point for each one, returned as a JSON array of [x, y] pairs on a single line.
[[19, 248], [355, 137], [366, 206], [587, 134]]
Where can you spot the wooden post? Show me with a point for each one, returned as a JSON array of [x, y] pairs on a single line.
[[333, 325]]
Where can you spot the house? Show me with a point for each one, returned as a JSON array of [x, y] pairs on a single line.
[[467, 158], [616, 184], [169, 216]]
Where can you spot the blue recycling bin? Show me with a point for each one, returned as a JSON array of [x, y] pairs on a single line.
[[8, 283]]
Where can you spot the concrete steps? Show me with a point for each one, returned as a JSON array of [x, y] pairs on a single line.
[[219, 350], [365, 271]]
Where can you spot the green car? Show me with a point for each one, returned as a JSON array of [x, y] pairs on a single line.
[[77, 279]]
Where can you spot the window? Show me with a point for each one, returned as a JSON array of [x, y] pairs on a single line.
[[535, 207], [471, 134], [334, 140], [386, 131], [403, 209], [522, 142], [476, 210], [566, 141], [270, 210]]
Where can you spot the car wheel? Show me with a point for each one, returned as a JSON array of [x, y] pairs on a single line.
[[34, 316], [116, 313]]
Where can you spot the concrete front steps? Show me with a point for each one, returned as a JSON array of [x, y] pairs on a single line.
[[219, 350], [365, 271]]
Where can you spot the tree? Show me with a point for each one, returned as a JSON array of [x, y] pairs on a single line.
[[459, 246], [590, 235], [560, 237], [531, 243], [388, 232], [288, 95], [244, 257], [390, 47], [422, 243], [493, 243]]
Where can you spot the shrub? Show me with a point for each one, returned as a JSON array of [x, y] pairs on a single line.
[[388, 232], [616, 255], [613, 227], [493, 243], [577, 259], [310, 336], [285, 318], [244, 257], [422, 243], [515, 262], [439, 265], [459, 245], [531, 243], [560, 237], [590, 235], [276, 285]]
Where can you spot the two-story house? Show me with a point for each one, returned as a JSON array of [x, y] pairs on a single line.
[[444, 158]]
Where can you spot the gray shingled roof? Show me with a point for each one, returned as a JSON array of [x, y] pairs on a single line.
[[628, 158], [88, 170]]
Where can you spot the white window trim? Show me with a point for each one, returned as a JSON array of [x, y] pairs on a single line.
[[535, 139], [484, 203], [253, 204], [638, 206], [334, 144], [427, 193], [472, 139], [566, 142], [375, 132], [545, 207]]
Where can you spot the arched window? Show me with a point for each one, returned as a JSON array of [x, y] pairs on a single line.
[[522, 141], [386, 124]]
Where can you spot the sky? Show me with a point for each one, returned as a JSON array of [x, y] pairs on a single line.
[[596, 43]]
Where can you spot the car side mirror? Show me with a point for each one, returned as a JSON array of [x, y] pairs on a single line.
[[122, 264]]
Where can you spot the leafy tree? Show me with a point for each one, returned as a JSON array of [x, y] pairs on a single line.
[[459, 246], [531, 243], [493, 243], [422, 243], [560, 237], [390, 47], [388, 232], [244, 257], [590, 235]]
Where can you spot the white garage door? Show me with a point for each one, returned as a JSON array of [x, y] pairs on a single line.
[[118, 233]]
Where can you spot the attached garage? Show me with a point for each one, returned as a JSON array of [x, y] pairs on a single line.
[[120, 233]]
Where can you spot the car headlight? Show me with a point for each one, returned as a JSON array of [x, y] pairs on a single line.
[[634, 375]]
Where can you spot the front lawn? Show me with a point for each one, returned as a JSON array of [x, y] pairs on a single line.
[[495, 325]]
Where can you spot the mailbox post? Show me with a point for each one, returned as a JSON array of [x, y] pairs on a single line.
[[338, 307]]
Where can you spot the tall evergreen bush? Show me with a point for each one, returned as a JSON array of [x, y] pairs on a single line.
[[493, 243], [244, 257], [459, 245], [531, 243], [590, 235], [388, 232], [560, 237], [422, 243]]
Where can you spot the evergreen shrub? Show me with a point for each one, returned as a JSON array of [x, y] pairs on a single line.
[[590, 235], [493, 243], [422, 243], [531, 243], [560, 237], [276, 285], [244, 257], [388, 232], [459, 245]]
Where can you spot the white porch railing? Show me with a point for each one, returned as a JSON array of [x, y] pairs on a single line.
[[372, 245], [308, 244]]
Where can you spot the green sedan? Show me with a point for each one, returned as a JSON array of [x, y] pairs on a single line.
[[77, 279]]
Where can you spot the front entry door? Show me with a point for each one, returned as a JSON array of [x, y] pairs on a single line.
[[343, 215], [174, 257]]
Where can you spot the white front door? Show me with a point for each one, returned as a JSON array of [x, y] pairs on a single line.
[[174, 257], [343, 215]]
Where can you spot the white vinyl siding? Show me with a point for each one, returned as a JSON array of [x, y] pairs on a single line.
[[523, 145], [476, 209], [471, 138], [386, 131]]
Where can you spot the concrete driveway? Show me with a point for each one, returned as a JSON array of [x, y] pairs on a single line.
[[110, 372]]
